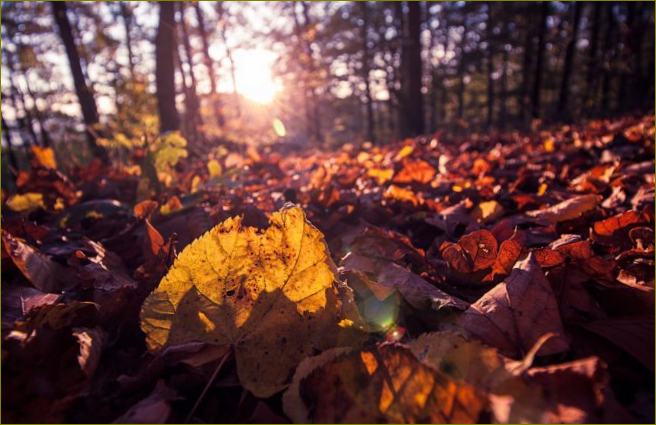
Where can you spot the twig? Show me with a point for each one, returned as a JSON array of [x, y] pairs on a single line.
[[207, 386]]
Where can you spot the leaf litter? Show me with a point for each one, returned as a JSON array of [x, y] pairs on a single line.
[[488, 277]]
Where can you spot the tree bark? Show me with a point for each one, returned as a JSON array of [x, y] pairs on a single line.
[[13, 163], [193, 104], [563, 98], [84, 95], [461, 66], [609, 53], [165, 46], [593, 55], [527, 65], [126, 15], [209, 64], [366, 71], [412, 78], [537, 83], [490, 65]]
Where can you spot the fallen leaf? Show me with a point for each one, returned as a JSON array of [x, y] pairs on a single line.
[[44, 157], [514, 314], [403, 195], [267, 294], [567, 210], [384, 384], [415, 172], [25, 202], [473, 252], [487, 211]]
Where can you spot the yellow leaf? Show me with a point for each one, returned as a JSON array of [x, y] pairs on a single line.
[[549, 145], [487, 211], [195, 184], [214, 168], [25, 202], [45, 157], [405, 151], [279, 128], [265, 293], [381, 175], [401, 194]]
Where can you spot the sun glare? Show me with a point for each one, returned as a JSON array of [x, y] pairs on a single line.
[[253, 74]]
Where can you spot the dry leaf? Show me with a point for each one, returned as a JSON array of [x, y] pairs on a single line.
[[385, 384], [267, 294], [567, 210], [415, 172], [513, 315]]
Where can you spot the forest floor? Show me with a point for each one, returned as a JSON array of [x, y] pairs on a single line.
[[502, 277]]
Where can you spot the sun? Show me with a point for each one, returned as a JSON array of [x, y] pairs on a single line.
[[253, 74]]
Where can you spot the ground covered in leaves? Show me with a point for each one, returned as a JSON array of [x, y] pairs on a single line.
[[473, 278]]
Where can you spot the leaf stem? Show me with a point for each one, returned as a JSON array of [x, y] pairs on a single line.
[[207, 386]]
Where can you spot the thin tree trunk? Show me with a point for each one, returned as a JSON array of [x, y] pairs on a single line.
[[537, 84], [490, 65], [316, 113], [193, 104], [593, 55], [26, 121], [84, 95], [366, 71], [503, 102], [609, 53], [40, 119], [461, 68], [527, 65], [233, 74], [13, 163], [165, 46], [563, 98], [209, 64], [412, 79], [126, 15]]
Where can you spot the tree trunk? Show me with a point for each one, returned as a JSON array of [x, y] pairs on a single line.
[[209, 64], [609, 53], [563, 98], [527, 65], [366, 70], [537, 83], [193, 104], [461, 67], [165, 46], [223, 23], [593, 56], [13, 163], [412, 78], [84, 95], [490, 65], [25, 122], [503, 106], [126, 15]]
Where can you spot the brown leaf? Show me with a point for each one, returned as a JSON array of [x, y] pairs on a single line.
[[384, 384], [567, 210], [634, 335], [577, 392], [513, 315], [473, 252], [548, 257]]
